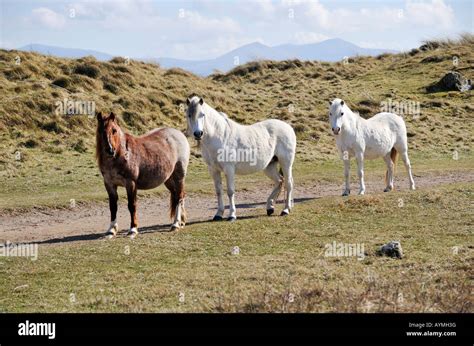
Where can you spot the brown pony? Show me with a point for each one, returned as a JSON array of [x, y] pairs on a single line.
[[145, 162]]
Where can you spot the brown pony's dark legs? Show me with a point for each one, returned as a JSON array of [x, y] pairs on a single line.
[[113, 197], [175, 185], [132, 207]]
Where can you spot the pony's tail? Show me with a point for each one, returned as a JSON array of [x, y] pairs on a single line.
[[393, 157]]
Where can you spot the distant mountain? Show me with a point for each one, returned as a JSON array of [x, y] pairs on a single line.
[[329, 50], [62, 52]]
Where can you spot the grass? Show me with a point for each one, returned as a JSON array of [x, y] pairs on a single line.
[[281, 265]]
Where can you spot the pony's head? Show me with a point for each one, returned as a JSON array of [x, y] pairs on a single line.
[[336, 112], [195, 117], [108, 133]]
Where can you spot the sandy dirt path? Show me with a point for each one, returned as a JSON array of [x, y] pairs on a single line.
[[89, 221]]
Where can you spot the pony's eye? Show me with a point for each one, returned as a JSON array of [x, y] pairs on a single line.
[[342, 113]]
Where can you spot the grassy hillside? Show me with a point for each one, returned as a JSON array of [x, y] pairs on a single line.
[[37, 145]]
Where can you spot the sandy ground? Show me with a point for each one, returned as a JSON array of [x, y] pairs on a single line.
[[89, 221]]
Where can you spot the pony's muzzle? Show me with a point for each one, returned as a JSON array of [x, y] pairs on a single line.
[[198, 135], [336, 130]]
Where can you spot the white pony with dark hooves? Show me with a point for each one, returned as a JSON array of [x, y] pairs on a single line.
[[383, 135], [231, 148]]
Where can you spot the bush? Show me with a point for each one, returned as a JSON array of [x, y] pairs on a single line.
[[111, 87], [80, 146], [30, 143], [62, 82], [52, 126], [88, 70]]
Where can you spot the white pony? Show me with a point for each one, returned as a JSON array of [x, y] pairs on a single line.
[[230, 148], [383, 135]]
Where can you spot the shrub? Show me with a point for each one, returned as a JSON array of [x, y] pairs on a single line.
[[111, 87], [62, 82], [88, 70]]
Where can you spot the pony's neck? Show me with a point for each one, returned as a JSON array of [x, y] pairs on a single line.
[[350, 121], [214, 123]]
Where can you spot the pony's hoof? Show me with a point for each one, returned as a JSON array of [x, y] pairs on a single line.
[[109, 235], [217, 218], [231, 218], [346, 193], [270, 211], [412, 188], [132, 233], [387, 189], [174, 228], [284, 213]]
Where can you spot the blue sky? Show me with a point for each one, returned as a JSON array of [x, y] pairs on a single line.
[[207, 28]]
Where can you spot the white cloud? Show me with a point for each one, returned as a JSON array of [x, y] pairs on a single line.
[[305, 37], [434, 13], [313, 14], [46, 17]]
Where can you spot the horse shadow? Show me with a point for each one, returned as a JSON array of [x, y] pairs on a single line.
[[161, 228]]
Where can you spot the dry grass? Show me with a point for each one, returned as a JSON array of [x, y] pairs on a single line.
[[282, 265]]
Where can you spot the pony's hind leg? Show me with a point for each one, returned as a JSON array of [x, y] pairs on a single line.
[[288, 181], [175, 185], [389, 175], [407, 163], [360, 172], [272, 172]]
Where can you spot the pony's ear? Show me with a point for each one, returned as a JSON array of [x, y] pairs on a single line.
[[342, 102], [99, 116], [188, 101], [201, 101], [330, 102], [112, 116]]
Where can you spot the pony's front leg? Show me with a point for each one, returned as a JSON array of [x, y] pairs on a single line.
[[229, 175], [113, 197], [360, 172], [132, 207], [347, 167], [217, 177]]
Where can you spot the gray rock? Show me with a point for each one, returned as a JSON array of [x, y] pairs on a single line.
[[452, 81], [391, 249]]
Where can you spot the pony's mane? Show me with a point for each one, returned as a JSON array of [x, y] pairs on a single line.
[[98, 145]]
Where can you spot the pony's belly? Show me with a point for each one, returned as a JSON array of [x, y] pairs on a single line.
[[248, 168], [374, 153]]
